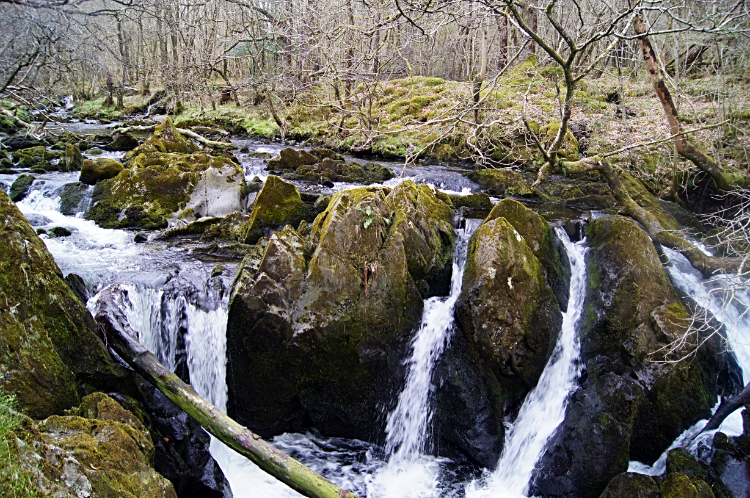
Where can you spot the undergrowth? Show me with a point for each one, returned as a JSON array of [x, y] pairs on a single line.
[[16, 480]]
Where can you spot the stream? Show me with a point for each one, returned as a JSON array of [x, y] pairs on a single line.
[[177, 298]]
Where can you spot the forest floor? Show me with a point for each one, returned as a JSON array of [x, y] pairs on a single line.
[[435, 119]]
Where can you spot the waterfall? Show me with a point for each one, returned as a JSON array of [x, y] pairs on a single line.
[[544, 408], [734, 314]]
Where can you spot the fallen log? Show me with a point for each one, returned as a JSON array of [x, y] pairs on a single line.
[[119, 336], [726, 408]]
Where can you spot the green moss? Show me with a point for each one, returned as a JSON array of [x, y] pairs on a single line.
[[277, 204]]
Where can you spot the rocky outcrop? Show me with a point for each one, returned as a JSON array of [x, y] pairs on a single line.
[[165, 179], [277, 204], [627, 408], [98, 449], [72, 160], [98, 169], [326, 165], [49, 350], [318, 324]]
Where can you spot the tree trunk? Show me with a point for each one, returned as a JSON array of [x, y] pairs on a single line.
[[119, 336], [726, 408], [686, 150]]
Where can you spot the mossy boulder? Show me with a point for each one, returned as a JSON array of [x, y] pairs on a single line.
[[159, 186], [127, 142], [503, 182], [71, 198], [543, 241], [49, 349], [98, 169], [630, 312], [319, 326], [20, 187], [110, 447], [72, 160], [480, 201], [332, 170], [632, 485], [166, 138], [507, 311], [426, 224], [277, 204], [291, 159], [683, 486]]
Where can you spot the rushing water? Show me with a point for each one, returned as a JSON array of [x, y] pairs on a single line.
[[712, 295], [544, 407], [180, 314]]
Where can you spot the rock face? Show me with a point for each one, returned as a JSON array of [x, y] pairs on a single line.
[[626, 408], [165, 178], [96, 170], [277, 204], [318, 324], [49, 351], [326, 165], [98, 449]]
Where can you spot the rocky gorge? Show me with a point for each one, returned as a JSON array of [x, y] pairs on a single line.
[[288, 286]]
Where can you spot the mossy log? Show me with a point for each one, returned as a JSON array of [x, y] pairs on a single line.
[[707, 265], [119, 336], [726, 408]]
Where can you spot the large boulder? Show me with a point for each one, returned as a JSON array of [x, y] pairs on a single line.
[[507, 311], [319, 325], [72, 196], [49, 350], [20, 187], [98, 169], [98, 449], [125, 142], [277, 204], [326, 165], [627, 407], [72, 160], [160, 186]]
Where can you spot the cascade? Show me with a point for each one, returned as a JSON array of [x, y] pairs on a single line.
[[544, 407], [709, 294]]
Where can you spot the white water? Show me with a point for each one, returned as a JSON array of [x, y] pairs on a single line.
[[708, 293], [544, 407], [410, 473]]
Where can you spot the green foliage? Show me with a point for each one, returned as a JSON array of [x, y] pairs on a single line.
[[16, 479]]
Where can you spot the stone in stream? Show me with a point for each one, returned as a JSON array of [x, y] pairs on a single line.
[[20, 187], [626, 408], [70, 198], [165, 179], [123, 142], [326, 166], [96, 170], [72, 160], [319, 325]]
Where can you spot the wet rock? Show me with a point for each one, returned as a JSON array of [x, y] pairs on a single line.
[[277, 204], [502, 182], [472, 201], [49, 349], [326, 166], [123, 142], [627, 408], [541, 238], [507, 311], [291, 159], [228, 228], [78, 286], [683, 486], [101, 168], [140, 238], [72, 160], [71, 196], [21, 142], [20, 187], [112, 447], [631, 485], [37, 220], [333, 311], [160, 186], [60, 232]]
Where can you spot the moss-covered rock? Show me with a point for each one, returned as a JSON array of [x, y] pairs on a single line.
[[277, 204], [479, 201], [166, 139], [96, 170], [543, 241], [632, 485], [502, 182], [49, 350], [126, 141], [506, 310], [71, 197], [332, 312], [426, 223], [72, 160], [159, 186], [291, 159], [20, 187], [683, 486], [111, 448]]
